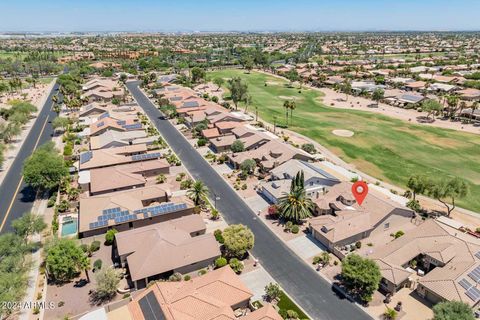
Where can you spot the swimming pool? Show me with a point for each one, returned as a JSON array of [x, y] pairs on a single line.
[[69, 226]]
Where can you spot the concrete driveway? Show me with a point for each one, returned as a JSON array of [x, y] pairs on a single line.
[[256, 280], [306, 246]]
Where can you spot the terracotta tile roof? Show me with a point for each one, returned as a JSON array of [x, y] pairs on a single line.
[[456, 254], [91, 207], [208, 297], [210, 133], [170, 239]]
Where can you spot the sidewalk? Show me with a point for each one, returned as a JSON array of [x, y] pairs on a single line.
[[39, 208], [12, 149]]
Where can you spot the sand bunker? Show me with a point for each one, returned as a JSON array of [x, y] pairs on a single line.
[[343, 133], [273, 83], [290, 98]]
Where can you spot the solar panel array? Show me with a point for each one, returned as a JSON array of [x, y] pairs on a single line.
[[133, 126], [85, 156], [190, 104], [465, 284], [475, 274], [161, 209], [121, 122], [477, 254], [121, 216], [150, 307], [146, 156], [104, 115], [473, 293]]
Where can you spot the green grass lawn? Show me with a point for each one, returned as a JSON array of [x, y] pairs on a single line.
[[286, 304], [389, 149]]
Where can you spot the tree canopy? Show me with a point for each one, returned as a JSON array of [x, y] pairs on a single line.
[[64, 259], [431, 107], [237, 146], [29, 224], [45, 168], [238, 90], [107, 280], [237, 240], [452, 310], [447, 190], [248, 166], [361, 276]]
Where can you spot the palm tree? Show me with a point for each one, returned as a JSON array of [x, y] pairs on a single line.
[[292, 107], [286, 105], [296, 205], [197, 192], [347, 88], [474, 107]]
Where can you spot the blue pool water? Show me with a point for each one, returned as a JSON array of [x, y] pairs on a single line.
[[69, 227]]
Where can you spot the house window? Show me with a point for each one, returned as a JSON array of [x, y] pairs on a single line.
[[386, 225]]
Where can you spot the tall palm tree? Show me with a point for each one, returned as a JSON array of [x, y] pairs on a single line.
[[197, 192], [286, 105], [292, 107], [296, 205], [474, 107]]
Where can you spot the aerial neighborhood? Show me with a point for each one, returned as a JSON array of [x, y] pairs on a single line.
[[214, 175]]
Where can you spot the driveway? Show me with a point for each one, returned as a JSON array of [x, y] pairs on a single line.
[[256, 280], [257, 203], [305, 246], [299, 280]]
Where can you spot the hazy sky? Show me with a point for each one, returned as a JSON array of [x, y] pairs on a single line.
[[244, 15]]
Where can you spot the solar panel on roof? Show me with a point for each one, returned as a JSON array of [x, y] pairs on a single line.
[[100, 124], [150, 307], [477, 254], [473, 293], [133, 126], [85, 157], [465, 284], [475, 274], [104, 115], [121, 122]]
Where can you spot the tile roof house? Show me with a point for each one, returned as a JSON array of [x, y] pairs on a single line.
[[316, 180], [416, 86], [449, 260], [114, 156], [341, 221], [469, 94], [270, 155], [126, 176], [129, 209], [213, 296], [109, 123], [182, 240], [113, 139]]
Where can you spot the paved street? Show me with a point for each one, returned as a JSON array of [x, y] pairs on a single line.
[[16, 197], [301, 282]]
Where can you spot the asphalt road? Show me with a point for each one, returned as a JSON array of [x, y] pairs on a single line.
[[300, 281], [16, 197]]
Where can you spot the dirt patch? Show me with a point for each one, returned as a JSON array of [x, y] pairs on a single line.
[[343, 133]]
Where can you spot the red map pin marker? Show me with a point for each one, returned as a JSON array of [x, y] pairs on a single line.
[[360, 191]]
